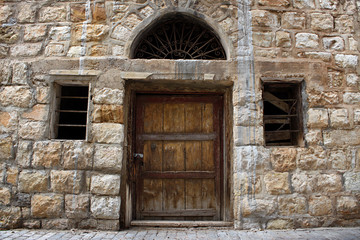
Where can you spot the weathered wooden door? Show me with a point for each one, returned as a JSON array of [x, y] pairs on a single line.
[[178, 157]]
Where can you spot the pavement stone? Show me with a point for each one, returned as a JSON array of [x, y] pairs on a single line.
[[184, 233]]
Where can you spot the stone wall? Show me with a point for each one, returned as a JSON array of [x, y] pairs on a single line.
[[47, 183]]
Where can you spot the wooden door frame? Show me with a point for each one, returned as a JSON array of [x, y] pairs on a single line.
[[134, 87]]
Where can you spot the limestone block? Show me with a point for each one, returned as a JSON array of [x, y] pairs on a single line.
[[352, 181], [77, 155], [24, 153], [108, 132], [121, 33], [317, 118], [320, 205], [353, 44], [26, 50], [46, 154], [334, 43], [26, 12], [251, 158], [342, 137], [58, 224], [4, 51], [261, 18], [352, 80], [94, 32], [277, 183], [324, 56], [344, 24], [88, 224], [10, 217], [118, 50], [283, 159], [55, 50], [74, 51], [77, 206], [34, 33], [313, 158], [108, 114], [357, 116], [105, 207], [344, 61], [280, 224], [314, 137], [39, 112], [108, 157], [8, 121], [32, 224], [43, 94], [259, 207], [248, 135], [108, 96], [60, 33], [6, 148], [23, 200], [335, 78], [108, 225], [304, 4], [276, 3], [77, 12], [105, 184], [9, 34], [53, 14], [244, 116], [329, 183], [5, 72], [340, 159], [32, 130], [293, 20], [98, 50], [246, 184], [351, 97], [17, 96], [347, 205], [20, 73], [307, 40], [339, 117], [292, 205], [283, 39], [322, 22], [5, 13], [47, 205], [66, 181], [33, 181], [11, 175], [5, 195], [328, 4], [303, 182]]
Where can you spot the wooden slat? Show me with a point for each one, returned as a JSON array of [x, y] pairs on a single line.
[[193, 117], [193, 155], [181, 213], [152, 195], [174, 118], [277, 121], [179, 174], [277, 102], [208, 193], [174, 194], [153, 155], [207, 162], [173, 156], [153, 113], [193, 193], [207, 118], [178, 137]]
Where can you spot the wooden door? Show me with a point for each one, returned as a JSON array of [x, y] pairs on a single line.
[[178, 163]]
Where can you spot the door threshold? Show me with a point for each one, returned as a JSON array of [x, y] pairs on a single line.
[[160, 223]]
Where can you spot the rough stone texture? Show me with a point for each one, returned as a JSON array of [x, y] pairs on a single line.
[[348, 137], [317, 118], [105, 184], [5, 148], [108, 114], [94, 32], [10, 217], [77, 206], [352, 80], [303, 182], [108, 133], [280, 224], [15, 96], [12, 175], [334, 43], [301, 4], [329, 183], [277, 183], [340, 159], [258, 207], [60, 33], [27, 13], [9, 34], [32, 130], [339, 118], [283, 159], [352, 181], [293, 20], [313, 158], [47, 205], [34, 33], [33, 181], [322, 22], [351, 98], [283, 39], [59, 224], [66, 181], [347, 205], [320, 206], [77, 155], [108, 157], [5, 196], [52, 14], [105, 207], [292, 205], [262, 18], [344, 24], [46, 154], [26, 50], [307, 40], [108, 96], [20, 73], [344, 61], [5, 13], [38, 112]]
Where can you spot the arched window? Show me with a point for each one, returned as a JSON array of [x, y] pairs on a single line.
[[178, 37]]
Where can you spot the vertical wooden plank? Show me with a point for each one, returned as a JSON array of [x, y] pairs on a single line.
[[174, 118], [207, 148], [193, 194], [173, 158], [193, 155], [193, 117], [207, 118], [208, 194], [173, 195], [153, 118], [152, 195], [153, 155]]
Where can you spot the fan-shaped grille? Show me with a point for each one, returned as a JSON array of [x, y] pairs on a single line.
[[179, 39]]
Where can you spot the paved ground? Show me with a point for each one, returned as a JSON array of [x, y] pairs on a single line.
[[189, 233]]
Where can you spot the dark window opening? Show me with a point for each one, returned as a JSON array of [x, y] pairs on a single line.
[[179, 37], [71, 112], [282, 114]]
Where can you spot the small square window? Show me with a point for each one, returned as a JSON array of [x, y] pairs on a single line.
[[71, 112], [282, 113]]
